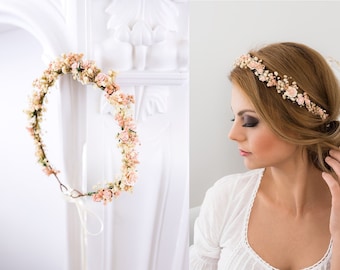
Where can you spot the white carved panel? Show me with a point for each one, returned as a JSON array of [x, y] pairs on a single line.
[[147, 43], [145, 35]]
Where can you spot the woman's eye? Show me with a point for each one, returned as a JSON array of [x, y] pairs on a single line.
[[250, 121]]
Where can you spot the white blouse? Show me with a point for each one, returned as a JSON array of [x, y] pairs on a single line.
[[220, 234]]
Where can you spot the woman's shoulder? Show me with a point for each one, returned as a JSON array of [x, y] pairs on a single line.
[[226, 198], [238, 180], [235, 185]]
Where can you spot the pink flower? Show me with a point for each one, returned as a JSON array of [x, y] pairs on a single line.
[[124, 136], [75, 65], [109, 89], [87, 64], [107, 196], [271, 79], [252, 64], [131, 178], [97, 197], [291, 92], [300, 99], [131, 159], [101, 77], [48, 170], [257, 66]]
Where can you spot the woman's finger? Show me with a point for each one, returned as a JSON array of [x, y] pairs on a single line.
[[333, 185], [334, 163], [335, 154]]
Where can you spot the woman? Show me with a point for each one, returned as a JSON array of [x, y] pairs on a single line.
[[285, 212]]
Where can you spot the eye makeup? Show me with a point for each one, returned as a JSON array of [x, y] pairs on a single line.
[[249, 121]]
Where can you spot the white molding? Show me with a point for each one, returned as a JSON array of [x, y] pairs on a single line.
[[152, 78], [43, 19]]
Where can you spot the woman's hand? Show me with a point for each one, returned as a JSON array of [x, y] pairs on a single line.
[[333, 183]]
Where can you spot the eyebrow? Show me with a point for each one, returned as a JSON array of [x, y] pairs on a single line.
[[240, 113]]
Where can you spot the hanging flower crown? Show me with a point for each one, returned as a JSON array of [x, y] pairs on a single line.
[[283, 86], [86, 72]]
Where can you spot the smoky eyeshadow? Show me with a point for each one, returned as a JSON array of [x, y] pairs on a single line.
[[249, 121]]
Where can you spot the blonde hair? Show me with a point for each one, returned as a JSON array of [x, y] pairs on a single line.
[[289, 121]]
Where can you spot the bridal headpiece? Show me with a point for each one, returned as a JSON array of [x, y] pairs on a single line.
[[288, 90], [87, 73]]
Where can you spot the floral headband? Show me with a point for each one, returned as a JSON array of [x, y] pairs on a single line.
[[283, 87]]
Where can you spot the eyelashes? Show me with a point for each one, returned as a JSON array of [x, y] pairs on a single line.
[[248, 121]]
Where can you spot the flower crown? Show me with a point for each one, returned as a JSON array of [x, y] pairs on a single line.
[[86, 72], [283, 86]]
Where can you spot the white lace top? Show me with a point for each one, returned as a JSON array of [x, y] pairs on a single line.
[[220, 235]]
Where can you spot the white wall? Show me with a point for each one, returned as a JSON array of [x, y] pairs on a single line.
[[33, 223], [220, 31]]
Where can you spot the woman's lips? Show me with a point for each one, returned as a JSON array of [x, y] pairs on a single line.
[[244, 153]]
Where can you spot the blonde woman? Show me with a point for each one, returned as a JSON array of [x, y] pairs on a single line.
[[285, 212]]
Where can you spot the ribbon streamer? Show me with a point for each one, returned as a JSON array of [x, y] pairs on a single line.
[[83, 212]]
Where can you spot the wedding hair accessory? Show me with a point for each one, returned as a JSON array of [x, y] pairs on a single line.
[[283, 86], [86, 72]]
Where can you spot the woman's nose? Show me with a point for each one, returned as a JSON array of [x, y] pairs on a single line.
[[235, 133]]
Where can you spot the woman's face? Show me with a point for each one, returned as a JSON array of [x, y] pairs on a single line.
[[259, 146]]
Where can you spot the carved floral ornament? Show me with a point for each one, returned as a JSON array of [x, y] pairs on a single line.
[[143, 22], [145, 35], [86, 72]]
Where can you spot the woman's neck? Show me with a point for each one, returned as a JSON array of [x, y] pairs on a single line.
[[297, 190]]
